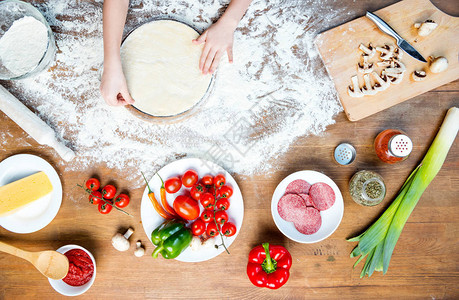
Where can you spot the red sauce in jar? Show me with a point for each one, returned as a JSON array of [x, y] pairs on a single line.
[[383, 146], [81, 267]]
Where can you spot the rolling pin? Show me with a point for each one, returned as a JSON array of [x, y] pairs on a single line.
[[32, 124]]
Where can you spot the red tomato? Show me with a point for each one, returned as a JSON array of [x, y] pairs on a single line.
[[223, 204], [95, 197], [212, 229], [186, 207], [198, 227], [173, 185], [122, 200], [92, 184], [190, 178], [229, 229], [109, 191], [219, 180], [207, 200], [221, 217], [207, 216], [196, 191], [105, 208], [211, 190], [207, 180], [225, 192]]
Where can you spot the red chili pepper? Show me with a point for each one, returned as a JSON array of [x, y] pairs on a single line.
[[269, 266]]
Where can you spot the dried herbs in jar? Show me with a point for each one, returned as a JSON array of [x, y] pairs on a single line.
[[367, 188]]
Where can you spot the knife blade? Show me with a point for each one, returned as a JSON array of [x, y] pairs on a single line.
[[404, 45]]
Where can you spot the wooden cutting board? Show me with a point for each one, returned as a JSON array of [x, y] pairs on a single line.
[[338, 48]]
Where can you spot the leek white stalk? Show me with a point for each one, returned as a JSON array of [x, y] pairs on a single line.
[[377, 243]]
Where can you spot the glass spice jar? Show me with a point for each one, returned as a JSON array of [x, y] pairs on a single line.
[[367, 188], [392, 145]]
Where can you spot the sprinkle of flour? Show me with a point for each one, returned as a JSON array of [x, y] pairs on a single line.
[[23, 45], [276, 90]]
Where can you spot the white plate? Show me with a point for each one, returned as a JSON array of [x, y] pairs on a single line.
[[37, 214], [331, 218], [151, 219]]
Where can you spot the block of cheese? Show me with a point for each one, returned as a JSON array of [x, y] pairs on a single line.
[[24, 191]]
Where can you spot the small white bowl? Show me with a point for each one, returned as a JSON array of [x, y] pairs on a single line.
[[331, 218], [68, 290]]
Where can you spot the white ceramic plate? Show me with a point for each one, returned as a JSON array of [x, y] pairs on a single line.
[[37, 214], [67, 290], [331, 218], [151, 219]]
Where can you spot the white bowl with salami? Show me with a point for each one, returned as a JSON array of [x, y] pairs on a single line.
[[307, 206]]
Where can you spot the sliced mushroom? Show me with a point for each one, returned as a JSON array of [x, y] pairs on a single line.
[[393, 71], [370, 50], [438, 64], [354, 89], [395, 78], [425, 28], [398, 54], [384, 63], [368, 88], [387, 51], [381, 82], [365, 67], [419, 75]]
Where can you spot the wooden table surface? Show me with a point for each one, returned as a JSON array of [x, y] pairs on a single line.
[[425, 263]]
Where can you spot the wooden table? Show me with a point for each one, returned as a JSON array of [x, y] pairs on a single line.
[[425, 263]]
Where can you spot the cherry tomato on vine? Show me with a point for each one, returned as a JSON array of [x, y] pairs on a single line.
[[198, 227], [223, 204], [229, 229], [190, 178], [212, 229], [219, 180], [173, 185], [207, 180], [221, 217], [212, 191], [105, 208], [122, 200], [186, 207], [225, 192], [196, 191], [207, 216], [95, 197], [92, 184], [109, 191], [207, 200]]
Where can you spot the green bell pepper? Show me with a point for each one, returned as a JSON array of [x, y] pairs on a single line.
[[171, 238]]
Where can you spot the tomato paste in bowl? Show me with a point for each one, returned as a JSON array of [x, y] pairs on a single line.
[[81, 267]]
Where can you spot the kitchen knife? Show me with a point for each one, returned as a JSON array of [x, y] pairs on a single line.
[[400, 41]]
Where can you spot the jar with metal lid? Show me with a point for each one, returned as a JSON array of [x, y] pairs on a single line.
[[392, 145], [367, 188]]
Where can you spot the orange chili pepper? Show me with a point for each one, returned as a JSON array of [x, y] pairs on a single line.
[[166, 205], [159, 209]]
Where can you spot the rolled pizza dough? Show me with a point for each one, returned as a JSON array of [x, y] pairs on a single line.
[[161, 66]]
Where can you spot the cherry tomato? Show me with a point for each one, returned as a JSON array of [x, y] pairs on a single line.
[[207, 216], [190, 178], [225, 192], [212, 191], [221, 217], [212, 229], [207, 180], [109, 191], [186, 207], [229, 229], [95, 197], [219, 180], [105, 208], [92, 184], [173, 185], [122, 200], [196, 191], [198, 227], [207, 200], [223, 204]]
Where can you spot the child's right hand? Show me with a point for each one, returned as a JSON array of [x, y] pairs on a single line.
[[113, 86]]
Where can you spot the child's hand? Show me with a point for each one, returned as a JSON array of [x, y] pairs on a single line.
[[113, 86], [218, 38]]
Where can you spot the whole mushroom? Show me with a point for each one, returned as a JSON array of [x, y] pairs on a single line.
[[438, 64], [139, 250], [121, 242]]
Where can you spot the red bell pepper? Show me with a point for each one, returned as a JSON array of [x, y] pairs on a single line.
[[269, 266]]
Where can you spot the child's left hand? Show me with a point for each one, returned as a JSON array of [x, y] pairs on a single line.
[[218, 38]]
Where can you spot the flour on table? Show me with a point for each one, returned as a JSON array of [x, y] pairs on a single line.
[[23, 45], [276, 90]]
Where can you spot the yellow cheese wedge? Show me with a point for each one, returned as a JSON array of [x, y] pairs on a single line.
[[24, 191]]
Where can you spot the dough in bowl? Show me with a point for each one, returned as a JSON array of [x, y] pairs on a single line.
[[161, 66]]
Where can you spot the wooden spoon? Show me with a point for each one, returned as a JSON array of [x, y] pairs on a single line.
[[50, 263]]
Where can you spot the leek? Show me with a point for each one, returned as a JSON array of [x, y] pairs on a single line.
[[377, 243]]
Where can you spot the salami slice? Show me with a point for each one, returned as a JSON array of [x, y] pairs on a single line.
[[322, 195], [288, 206], [298, 186], [307, 200], [308, 220]]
